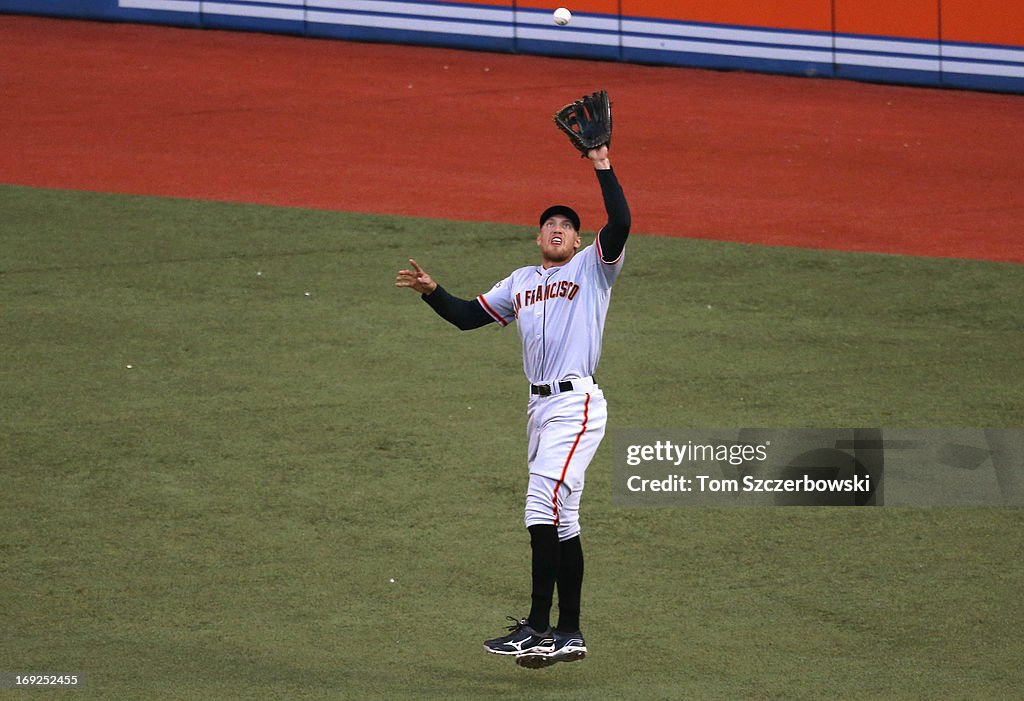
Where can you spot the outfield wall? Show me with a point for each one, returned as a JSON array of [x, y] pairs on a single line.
[[976, 44]]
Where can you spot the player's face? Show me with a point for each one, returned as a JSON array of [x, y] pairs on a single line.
[[557, 239]]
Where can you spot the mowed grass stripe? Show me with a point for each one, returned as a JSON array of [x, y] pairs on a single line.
[[223, 519]]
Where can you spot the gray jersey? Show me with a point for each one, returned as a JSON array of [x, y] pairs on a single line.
[[560, 312]]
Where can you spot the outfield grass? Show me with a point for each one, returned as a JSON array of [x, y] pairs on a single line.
[[223, 519]]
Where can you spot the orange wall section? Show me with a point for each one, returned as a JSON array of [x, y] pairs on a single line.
[[606, 7], [916, 19], [807, 15], [983, 21]]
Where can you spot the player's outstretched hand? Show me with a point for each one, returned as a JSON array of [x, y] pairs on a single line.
[[599, 156], [417, 279]]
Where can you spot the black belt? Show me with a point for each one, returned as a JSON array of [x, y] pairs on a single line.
[[545, 390]]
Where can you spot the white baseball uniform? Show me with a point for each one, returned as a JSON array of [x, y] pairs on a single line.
[[560, 312]]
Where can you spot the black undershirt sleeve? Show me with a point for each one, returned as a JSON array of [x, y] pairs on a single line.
[[464, 313], [614, 234]]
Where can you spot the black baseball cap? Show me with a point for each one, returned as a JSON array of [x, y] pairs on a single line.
[[567, 212]]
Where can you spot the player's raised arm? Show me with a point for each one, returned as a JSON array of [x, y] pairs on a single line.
[[613, 235], [588, 124], [464, 313]]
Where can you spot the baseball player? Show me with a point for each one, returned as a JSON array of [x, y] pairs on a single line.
[[559, 308]]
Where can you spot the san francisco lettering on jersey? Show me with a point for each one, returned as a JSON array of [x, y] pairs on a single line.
[[563, 288]]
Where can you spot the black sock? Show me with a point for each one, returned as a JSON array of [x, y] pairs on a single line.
[[570, 585], [546, 557]]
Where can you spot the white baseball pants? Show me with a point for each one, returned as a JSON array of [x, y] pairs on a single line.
[[564, 432]]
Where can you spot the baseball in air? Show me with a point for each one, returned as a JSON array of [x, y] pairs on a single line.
[[562, 16]]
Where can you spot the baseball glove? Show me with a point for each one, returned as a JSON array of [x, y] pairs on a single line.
[[587, 121]]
